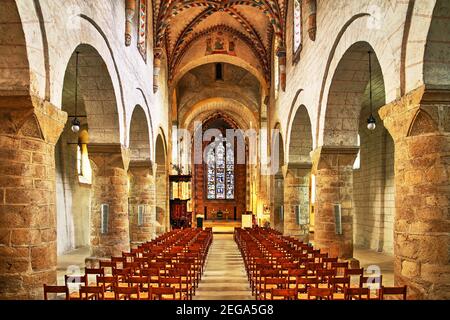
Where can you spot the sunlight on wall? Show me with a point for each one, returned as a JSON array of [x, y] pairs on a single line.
[[83, 164]]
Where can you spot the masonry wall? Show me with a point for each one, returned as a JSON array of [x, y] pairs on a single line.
[[72, 201], [373, 185], [100, 24]]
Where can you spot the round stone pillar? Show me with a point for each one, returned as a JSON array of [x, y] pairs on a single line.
[[162, 201], [333, 167], [296, 201], [141, 202], [419, 127], [27, 196], [110, 236], [278, 203]]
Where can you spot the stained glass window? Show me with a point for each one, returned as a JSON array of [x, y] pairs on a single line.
[[297, 24], [220, 172], [211, 163]]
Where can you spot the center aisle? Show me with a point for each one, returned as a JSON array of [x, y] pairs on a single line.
[[224, 277]]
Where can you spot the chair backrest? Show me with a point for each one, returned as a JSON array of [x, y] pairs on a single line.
[[75, 279], [302, 284], [320, 293], [372, 282], [393, 291], [325, 274], [118, 259], [92, 293], [354, 272], [127, 293], [285, 294], [56, 290], [356, 294], [138, 280], [170, 282], [162, 293], [337, 283], [106, 280], [297, 272], [108, 264], [122, 273]]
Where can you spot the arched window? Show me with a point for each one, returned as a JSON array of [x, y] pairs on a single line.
[[297, 41], [357, 163], [220, 175]]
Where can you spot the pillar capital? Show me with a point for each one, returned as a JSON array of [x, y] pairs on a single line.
[[33, 117], [141, 165], [333, 156], [296, 168], [419, 111], [112, 154]]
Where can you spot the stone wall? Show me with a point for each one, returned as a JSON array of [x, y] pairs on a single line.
[[101, 25], [72, 200], [141, 193], [109, 187], [373, 185], [27, 196]]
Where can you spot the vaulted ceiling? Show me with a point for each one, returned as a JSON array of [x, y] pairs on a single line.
[[182, 28]]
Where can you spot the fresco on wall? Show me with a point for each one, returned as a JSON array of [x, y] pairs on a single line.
[[221, 44]]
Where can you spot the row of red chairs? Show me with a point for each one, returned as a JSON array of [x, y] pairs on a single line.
[[168, 267], [276, 262]]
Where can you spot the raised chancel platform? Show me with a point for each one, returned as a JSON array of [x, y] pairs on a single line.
[[219, 226]]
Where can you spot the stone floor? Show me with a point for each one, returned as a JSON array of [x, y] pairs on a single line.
[[373, 259], [224, 277], [71, 263]]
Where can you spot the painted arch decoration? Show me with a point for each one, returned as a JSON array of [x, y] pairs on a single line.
[[177, 23]]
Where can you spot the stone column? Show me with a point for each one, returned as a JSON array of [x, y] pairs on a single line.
[[29, 131], [110, 187], [420, 127], [296, 201], [333, 167], [142, 193], [278, 198], [162, 201]]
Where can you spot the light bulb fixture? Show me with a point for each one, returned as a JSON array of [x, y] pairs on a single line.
[[75, 125], [371, 122]]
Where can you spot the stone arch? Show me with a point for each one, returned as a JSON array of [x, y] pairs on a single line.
[[300, 140], [436, 62], [139, 136], [236, 61], [161, 148], [162, 184], [90, 34], [141, 192], [98, 113], [14, 65], [96, 95], [277, 179], [348, 88], [240, 112], [363, 194], [297, 175], [354, 31]]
